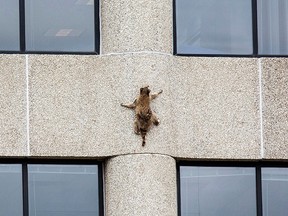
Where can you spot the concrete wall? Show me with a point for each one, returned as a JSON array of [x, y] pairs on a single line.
[[211, 108]]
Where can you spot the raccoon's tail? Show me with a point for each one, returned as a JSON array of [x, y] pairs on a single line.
[[143, 135]]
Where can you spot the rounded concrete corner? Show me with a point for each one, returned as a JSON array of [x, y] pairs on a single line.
[[147, 181]]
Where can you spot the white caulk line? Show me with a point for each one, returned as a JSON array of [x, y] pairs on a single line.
[[27, 106], [261, 108]]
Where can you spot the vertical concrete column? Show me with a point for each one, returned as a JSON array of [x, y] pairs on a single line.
[[136, 25], [141, 184]]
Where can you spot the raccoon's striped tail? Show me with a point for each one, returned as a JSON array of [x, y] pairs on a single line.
[[143, 135]]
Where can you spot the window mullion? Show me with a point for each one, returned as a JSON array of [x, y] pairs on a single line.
[[25, 189], [100, 189], [259, 190], [96, 26], [255, 27], [22, 25]]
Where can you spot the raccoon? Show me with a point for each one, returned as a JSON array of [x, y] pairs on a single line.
[[144, 116]]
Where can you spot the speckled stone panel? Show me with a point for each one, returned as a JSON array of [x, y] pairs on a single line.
[[141, 184], [12, 106], [75, 104], [215, 108], [275, 107], [136, 25], [209, 107]]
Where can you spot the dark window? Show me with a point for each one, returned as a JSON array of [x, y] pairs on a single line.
[[275, 191], [63, 190], [218, 191], [228, 188], [49, 26], [214, 27], [60, 25], [9, 25], [11, 189], [273, 27], [231, 27], [45, 189]]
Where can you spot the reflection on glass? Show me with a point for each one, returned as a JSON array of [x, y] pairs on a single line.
[[275, 191], [214, 27], [60, 25], [11, 190], [63, 190], [217, 191], [273, 27], [9, 25]]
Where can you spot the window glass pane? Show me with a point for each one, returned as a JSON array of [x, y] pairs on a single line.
[[9, 25], [60, 25], [214, 26], [217, 191], [275, 191], [273, 27], [63, 190], [11, 190]]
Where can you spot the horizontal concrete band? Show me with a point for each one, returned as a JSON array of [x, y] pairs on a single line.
[[140, 184], [209, 107]]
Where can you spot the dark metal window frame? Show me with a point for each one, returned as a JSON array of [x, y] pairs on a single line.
[[257, 165], [254, 37], [25, 162], [22, 35]]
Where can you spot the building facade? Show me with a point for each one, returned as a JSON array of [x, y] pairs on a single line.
[[213, 108]]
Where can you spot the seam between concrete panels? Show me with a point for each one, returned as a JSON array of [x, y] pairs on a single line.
[[137, 52], [27, 105], [144, 153], [261, 108]]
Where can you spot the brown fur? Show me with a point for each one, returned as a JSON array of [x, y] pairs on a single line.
[[144, 116]]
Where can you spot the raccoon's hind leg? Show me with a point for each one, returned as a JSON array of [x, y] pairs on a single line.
[[136, 127], [155, 120]]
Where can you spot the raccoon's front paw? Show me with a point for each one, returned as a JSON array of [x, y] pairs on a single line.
[[156, 122]]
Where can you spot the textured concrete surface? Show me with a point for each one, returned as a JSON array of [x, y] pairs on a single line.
[[275, 107], [12, 105], [142, 25], [64, 100], [208, 109], [75, 104], [215, 107], [141, 184]]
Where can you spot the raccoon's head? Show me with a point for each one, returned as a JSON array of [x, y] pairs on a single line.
[[145, 91]]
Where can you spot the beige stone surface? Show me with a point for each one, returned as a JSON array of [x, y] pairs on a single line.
[[142, 25], [209, 107], [134, 183], [12, 106], [75, 104], [215, 106], [275, 107]]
